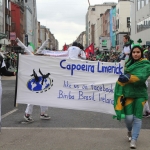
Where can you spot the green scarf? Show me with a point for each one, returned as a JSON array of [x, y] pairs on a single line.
[[127, 44], [135, 87]]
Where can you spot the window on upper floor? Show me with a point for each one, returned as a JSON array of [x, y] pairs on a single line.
[[142, 3], [1, 8], [139, 5], [143, 25], [1, 2], [117, 24], [1, 24], [93, 9], [147, 1]]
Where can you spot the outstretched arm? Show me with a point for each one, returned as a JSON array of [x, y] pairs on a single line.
[[83, 56], [19, 43], [43, 46]]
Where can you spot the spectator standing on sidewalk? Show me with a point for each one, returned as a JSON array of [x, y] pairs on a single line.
[[5, 72], [146, 110], [126, 47], [131, 93]]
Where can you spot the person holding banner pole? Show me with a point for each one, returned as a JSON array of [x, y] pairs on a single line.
[[43, 46], [82, 55], [131, 93], [5, 72], [29, 109]]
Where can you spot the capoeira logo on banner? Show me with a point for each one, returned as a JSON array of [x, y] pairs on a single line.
[[41, 83]]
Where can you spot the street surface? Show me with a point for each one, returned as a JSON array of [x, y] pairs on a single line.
[[60, 118]]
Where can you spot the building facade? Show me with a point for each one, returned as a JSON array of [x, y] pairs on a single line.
[[31, 18], [28, 23], [2, 16], [122, 13], [81, 39], [113, 27], [5, 23], [17, 20], [140, 21], [43, 33], [93, 14], [38, 34]]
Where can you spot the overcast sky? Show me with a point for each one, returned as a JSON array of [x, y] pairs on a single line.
[[65, 18]]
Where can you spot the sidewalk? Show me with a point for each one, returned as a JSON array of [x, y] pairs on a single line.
[[69, 139], [8, 78]]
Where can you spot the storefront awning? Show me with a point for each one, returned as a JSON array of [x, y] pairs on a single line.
[[5, 41]]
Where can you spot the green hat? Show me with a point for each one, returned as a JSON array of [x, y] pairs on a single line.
[[139, 41], [136, 45], [146, 50], [131, 41]]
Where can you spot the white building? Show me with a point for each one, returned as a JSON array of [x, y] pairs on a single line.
[[29, 27], [122, 13], [2, 16], [92, 25], [140, 21], [31, 4], [98, 33], [43, 33], [82, 39], [5, 23]]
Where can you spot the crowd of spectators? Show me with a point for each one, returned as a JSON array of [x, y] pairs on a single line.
[[112, 56], [10, 59], [105, 56]]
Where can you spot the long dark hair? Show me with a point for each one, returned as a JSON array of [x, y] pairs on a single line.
[[131, 60]]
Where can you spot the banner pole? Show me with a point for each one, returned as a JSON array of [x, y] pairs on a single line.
[[16, 105]]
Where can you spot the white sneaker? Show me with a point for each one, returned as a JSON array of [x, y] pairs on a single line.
[[28, 118], [133, 144], [45, 117]]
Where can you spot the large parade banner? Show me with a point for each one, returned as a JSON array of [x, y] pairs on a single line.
[[65, 83]]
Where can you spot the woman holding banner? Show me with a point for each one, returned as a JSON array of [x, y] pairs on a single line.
[[131, 93], [29, 109]]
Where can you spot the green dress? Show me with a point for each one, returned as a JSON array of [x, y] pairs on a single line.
[[134, 91]]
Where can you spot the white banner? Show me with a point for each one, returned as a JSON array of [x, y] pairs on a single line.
[[66, 83]]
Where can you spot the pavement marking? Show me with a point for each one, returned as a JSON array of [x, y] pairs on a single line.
[[66, 129], [36, 128], [9, 113]]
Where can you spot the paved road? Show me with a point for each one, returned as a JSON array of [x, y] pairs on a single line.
[[13, 117]]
